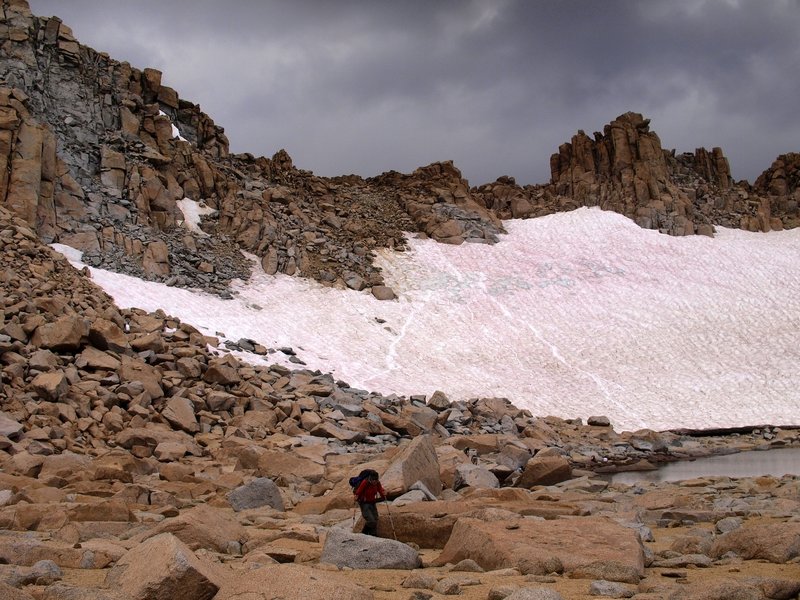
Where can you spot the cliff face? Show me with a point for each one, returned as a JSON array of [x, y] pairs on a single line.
[[625, 169], [780, 184], [102, 156]]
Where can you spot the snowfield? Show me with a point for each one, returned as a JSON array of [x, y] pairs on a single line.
[[574, 314]]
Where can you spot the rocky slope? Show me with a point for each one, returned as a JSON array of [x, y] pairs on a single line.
[[137, 462], [140, 460], [98, 155], [102, 156]]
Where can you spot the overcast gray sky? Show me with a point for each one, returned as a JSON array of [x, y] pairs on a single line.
[[366, 86]]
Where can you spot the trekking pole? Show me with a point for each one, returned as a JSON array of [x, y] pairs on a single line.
[[391, 521]]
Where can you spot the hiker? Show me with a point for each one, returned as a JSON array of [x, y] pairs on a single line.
[[366, 494]]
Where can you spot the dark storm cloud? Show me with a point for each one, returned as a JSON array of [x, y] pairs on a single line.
[[495, 85]]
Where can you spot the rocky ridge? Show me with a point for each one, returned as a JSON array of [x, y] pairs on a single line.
[[126, 442], [626, 170], [99, 155]]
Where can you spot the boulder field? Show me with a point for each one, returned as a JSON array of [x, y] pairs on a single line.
[[141, 460]]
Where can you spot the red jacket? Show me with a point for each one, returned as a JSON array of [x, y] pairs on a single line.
[[368, 492]]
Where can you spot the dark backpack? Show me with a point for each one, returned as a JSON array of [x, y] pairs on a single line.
[[356, 481]]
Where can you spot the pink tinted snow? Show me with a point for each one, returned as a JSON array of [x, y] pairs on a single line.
[[575, 314]]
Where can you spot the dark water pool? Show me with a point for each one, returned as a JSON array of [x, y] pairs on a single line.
[[777, 462]]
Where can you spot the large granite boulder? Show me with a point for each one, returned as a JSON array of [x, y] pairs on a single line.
[[262, 491], [586, 548], [162, 568], [358, 551], [416, 461]]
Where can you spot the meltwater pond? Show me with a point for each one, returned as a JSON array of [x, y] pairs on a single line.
[[777, 462]]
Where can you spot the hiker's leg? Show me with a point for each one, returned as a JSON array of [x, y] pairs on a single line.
[[370, 514], [370, 526]]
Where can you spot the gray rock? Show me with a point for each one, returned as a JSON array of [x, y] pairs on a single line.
[[421, 487], [728, 524], [474, 476], [259, 492], [358, 551], [685, 560], [9, 427], [611, 589], [468, 566], [407, 498], [43, 572], [419, 580], [447, 587]]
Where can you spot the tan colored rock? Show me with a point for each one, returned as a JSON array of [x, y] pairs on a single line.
[[545, 470], [28, 550], [401, 423], [135, 369], [11, 593], [220, 371], [383, 292], [112, 169], [449, 458], [416, 461], [155, 261], [103, 510], [23, 463], [179, 412], [62, 335], [153, 341], [423, 416], [154, 435], [203, 527], [130, 122], [66, 465], [107, 335], [50, 386], [92, 358], [585, 548], [283, 465], [330, 430], [170, 451], [162, 568], [24, 184], [775, 542]]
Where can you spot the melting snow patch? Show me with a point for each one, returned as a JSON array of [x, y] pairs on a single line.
[[192, 213], [575, 314]]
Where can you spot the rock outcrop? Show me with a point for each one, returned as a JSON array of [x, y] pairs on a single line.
[[780, 184], [624, 169], [103, 157]]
